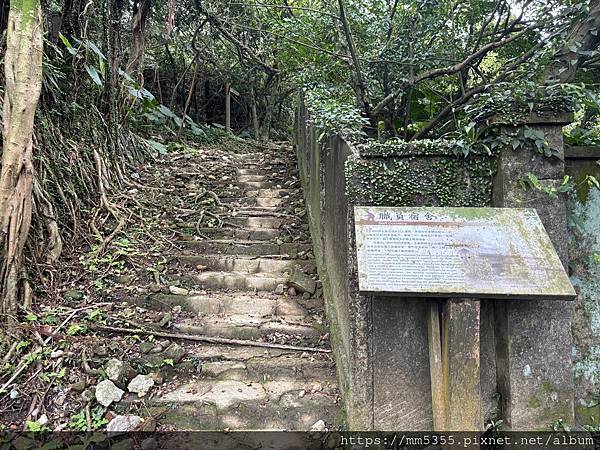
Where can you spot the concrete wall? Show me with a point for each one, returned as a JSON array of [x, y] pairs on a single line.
[[381, 343]]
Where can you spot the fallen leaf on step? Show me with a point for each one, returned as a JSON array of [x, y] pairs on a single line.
[[200, 267]]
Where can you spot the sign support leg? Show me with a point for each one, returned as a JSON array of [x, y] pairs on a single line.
[[438, 401], [461, 364]]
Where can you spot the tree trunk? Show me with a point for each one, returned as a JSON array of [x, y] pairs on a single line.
[[584, 37], [358, 81], [141, 12], [23, 72]]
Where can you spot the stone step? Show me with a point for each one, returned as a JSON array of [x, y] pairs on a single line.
[[251, 234], [234, 185], [252, 328], [272, 193], [268, 201], [251, 185], [224, 393], [288, 367], [251, 171], [237, 247], [222, 304], [251, 178], [236, 405], [257, 222], [247, 265], [257, 210], [252, 201], [235, 281]]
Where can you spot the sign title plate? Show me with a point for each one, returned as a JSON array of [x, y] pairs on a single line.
[[471, 252]]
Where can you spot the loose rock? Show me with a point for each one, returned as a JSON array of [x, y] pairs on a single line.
[[87, 395], [302, 282], [178, 291], [78, 386], [107, 392], [280, 289], [100, 349], [175, 352], [145, 347], [319, 425], [140, 385], [123, 424], [119, 372]]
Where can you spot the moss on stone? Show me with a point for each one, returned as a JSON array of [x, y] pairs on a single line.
[[426, 180]]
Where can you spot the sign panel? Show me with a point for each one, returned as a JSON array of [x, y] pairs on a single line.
[[467, 252]]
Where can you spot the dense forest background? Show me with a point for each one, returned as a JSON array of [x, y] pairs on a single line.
[[95, 92], [121, 82]]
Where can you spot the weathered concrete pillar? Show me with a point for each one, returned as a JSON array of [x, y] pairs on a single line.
[[461, 365], [533, 338]]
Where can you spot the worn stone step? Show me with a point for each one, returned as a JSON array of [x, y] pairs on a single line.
[[251, 178], [252, 201], [247, 265], [222, 304], [258, 210], [249, 234], [231, 404], [236, 281], [250, 171], [261, 222], [268, 201], [220, 186], [267, 212], [225, 393], [251, 328], [272, 193], [251, 185], [287, 367], [237, 247]]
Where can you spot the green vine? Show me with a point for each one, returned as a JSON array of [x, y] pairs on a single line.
[[425, 172]]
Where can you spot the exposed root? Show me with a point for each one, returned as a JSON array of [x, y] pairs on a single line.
[[208, 339]]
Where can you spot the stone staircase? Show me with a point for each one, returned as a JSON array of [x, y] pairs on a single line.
[[251, 279]]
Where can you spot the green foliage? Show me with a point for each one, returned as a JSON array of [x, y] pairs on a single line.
[[36, 427], [530, 180], [523, 138], [515, 101], [423, 172], [333, 115], [583, 137], [423, 147], [78, 421]]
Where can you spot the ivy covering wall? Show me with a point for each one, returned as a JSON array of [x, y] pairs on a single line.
[[428, 172]]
